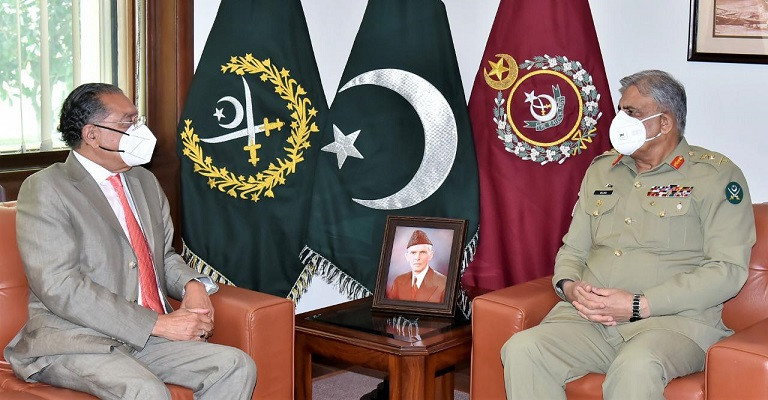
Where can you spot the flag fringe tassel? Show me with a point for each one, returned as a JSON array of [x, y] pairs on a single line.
[[468, 254], [317, 265], [198, 264]]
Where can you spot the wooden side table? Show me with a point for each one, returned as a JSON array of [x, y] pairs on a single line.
[[419, 353]]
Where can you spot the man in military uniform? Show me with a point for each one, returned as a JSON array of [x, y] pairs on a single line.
[[660, 238]]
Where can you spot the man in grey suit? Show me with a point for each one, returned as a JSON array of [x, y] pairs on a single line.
[[95, 235]]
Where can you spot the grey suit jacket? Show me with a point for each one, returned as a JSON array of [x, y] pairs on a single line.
[[82, 272]]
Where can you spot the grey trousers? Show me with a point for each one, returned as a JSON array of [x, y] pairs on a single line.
[[212, 371], [539, 361]]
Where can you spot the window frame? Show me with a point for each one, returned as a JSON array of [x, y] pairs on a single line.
[[169, 62], [126, 43]]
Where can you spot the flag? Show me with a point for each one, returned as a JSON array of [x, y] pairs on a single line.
[[540, 109], [247, 144], [397, 142]]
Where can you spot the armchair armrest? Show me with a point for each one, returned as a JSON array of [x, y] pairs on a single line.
[[735, 363], [495, 317], [261, 325]]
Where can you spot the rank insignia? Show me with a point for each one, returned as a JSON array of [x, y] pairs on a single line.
[[734, 193], [670, 191], [616, 161], [677, 162]]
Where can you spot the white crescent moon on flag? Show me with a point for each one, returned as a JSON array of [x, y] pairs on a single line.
[[550, 114], [440, 135], [238, 112]]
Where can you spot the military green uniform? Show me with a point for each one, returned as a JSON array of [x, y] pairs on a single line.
[[680, 234]]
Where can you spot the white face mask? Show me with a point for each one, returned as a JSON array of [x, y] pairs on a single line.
[[628, 134], [136, 145]]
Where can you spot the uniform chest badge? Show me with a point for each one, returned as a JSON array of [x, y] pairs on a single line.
[[670, 191]]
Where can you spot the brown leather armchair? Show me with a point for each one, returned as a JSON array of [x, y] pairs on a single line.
[[262, 325], [736, 367]]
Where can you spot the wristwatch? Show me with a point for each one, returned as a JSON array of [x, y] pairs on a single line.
[[559, 287], [635, 308]]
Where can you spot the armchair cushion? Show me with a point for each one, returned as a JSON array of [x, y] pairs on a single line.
[[262, 325], [736, 362], [495, 317]]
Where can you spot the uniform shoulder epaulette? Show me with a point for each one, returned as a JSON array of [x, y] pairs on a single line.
[[701, 155], [608, 153]]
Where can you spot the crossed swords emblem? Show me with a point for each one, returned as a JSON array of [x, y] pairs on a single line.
[[250, 130], [734, 191]]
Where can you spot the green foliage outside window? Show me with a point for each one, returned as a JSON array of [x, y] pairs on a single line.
[[24, 26]]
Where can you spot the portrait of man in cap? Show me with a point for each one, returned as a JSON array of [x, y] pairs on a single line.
[[422, 282]]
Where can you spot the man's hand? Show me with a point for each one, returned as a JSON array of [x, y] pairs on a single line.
[[184, 324], [195, 296], [192, 321], [603, 305], [588, 304], [606, 306]]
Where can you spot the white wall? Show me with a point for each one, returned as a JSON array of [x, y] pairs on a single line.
[[727, 109]]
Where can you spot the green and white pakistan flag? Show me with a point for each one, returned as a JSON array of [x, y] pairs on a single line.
[[397, 142], [248, 142]]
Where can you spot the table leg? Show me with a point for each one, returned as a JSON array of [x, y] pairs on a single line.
[[407, 378], [444, 386], [303, 372]]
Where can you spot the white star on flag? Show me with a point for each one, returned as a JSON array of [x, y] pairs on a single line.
[[530, 97], [343, 145]]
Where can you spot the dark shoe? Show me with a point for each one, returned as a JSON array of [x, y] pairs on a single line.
[[380, 393]]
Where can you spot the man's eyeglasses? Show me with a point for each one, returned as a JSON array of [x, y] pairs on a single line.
[[137, 121]]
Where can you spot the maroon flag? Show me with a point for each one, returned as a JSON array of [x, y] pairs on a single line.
[[540, 111]]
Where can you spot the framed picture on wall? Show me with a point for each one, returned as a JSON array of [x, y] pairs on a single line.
[[419, 265], [728, 31]]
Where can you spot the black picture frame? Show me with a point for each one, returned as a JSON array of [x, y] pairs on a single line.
[[442, 232], [718, 33]]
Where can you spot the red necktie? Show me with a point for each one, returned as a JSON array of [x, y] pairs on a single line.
[[147, 280]]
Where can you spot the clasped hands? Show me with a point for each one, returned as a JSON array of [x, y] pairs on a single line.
[[192, 321], [602, 305]]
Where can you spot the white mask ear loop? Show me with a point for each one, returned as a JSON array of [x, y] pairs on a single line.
[[646, 119], [652, 116]]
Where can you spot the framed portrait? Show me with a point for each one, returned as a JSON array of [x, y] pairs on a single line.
[[419, 266], [728, 31]]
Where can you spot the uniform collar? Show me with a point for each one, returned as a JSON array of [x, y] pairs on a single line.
[[675, 161]]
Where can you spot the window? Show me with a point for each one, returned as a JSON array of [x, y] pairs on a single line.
[[47, 48]]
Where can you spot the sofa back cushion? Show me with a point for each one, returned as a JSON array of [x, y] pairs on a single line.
[[751, 304], [13, 282]]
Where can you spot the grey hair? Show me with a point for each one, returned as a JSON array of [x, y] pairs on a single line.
[[667, 91]]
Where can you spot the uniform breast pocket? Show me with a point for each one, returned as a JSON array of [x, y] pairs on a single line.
[[603, 215], [668, 223]]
